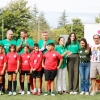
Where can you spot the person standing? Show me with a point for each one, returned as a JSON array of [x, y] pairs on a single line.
[[73, 46], [24, 40], [84, 67], [95, 62], [43, 48]]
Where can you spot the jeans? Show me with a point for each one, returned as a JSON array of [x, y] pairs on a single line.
[[84, 70]]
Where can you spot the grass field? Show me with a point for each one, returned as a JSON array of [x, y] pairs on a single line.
[[49, 97]]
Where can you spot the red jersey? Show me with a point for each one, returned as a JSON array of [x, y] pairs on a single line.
[[25, 62], [36, 60], [12, 59], [51, 60], [3, 60]]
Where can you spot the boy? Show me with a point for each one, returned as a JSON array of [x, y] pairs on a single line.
[[36, 68], [50, 65]]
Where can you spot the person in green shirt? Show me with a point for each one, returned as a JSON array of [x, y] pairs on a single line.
[[43, 48], [84, 67], [73, 46], [24, 40], [61, 72], [7, 42]]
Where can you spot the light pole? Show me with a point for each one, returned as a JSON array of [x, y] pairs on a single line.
[[2, 29], [38, 30]]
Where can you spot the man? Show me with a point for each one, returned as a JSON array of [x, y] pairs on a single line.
[[6, 43], [43, 47], [24, 40], [95, 62]]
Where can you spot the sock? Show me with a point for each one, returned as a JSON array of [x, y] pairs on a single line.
[[39, 90], [22, 86], [28, 84], [0, 86], [10, 85], [14, 86], [34, 89]]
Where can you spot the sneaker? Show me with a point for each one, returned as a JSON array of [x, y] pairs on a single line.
[[22, 93], [93, 93], [2, 93], [52, 94], [14, 93], [82, 93], [39, 93], [75, 93], [86, 93], [34, 93], [71, 92], [66, 92], [28, 92], [10, 93], [46, 93], [59, 93]]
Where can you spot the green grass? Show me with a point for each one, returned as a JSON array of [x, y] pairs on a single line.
[[49, 97]]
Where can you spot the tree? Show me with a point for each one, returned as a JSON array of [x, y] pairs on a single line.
[[97, 19], [62, 20], [78, 28], [16, 16]]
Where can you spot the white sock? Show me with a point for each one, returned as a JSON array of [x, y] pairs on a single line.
[[38, 90], [34, 89]]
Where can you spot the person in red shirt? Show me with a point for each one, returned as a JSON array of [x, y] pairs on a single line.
[[3, 62], [36, 68], [25, 68], [50, 64], [12, 68]]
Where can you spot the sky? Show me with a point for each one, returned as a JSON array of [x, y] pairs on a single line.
[[86, 10]]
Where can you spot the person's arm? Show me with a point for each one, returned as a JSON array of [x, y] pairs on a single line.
[[4, 68], [66, 53], [88, 49], [18, 65], [60, 63]]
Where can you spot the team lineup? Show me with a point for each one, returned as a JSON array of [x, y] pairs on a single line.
[[51, 60]]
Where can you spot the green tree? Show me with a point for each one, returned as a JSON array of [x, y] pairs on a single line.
[[78, 28], [62, 20], [16, 16], [97, 19]]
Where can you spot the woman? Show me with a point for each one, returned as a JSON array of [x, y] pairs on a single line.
[[73, 46], [84, 67]]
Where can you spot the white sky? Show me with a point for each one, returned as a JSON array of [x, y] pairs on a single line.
[[75, 7]]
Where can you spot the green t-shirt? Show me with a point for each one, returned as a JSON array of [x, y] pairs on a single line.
[[41, 44], [29, 41], [84, 56], [60, 49], [0, 42], [5, 43], [74, 47]]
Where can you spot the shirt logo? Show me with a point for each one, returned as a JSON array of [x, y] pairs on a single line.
[[26, 62], [14, 56], [80, 51], [28, 56], [54, 55], [35, 61], [38, 55], [1, 57]]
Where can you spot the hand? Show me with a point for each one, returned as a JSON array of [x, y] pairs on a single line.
[[31, 71], [69, 53], [34, 69], [16, 71], [42, 65], [2, 72], [58, 67]]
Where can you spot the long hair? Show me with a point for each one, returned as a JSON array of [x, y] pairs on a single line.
[[84, 40], [59, 39], [69, 40]]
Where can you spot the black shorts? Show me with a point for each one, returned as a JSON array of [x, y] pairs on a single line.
[[42, 71], [25, 72], [37, 74], [50, 74], [11, 73]]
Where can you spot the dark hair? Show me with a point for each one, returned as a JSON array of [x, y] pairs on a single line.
[[84, 40], [59, 39], [51, 43], [36, 45], [45, 32], [95, 35], [69, 40], [12, 45], [26, 46], [23, 30], [1, 46]]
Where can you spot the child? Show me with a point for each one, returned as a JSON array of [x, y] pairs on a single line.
[[25, 69], [12, 68], [50, 65], [3, 61], [36, 68]]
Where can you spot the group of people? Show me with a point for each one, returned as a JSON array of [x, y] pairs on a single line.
[[35, 59]]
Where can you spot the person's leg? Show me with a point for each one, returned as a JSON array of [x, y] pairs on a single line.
[[22, 82], [82, 77], [28, 82], [70, 68], [3, 83], [10, 78], [87, 73], [76, 75], [59, 81], [31, 83], [39, 84], [64, 71], [1, 79]]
